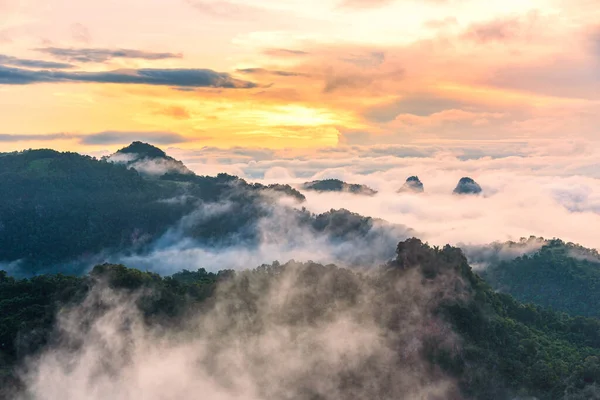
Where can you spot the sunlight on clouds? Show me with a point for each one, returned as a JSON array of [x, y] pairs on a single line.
[[462, 68]]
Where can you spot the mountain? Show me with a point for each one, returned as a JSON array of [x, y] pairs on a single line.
[[66, 212], [148, 160], [423, 323], [467, 186], [412, 184], [336, 185], [562, 276]]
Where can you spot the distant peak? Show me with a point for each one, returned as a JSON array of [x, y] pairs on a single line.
[[412, 184], [143, 150], [467, 185]]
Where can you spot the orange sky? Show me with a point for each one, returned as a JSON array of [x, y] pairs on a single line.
[[93, 75]]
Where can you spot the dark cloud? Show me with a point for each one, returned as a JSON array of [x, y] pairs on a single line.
[[103, 55], [285, 52], [118, 137], [23, 62], [165, 77], [422, 105], [262, 71]]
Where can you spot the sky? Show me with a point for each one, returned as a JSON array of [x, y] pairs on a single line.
[[297, 74]]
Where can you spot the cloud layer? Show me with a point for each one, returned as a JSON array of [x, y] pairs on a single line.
[[550, 189]]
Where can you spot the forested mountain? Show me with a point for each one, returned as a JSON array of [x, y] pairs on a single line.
[[336, 185], [562, 276], [65, 211], [148, 160], [435, 318]]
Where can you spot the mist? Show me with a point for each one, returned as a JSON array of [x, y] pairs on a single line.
[[299, 331], [281, 234], [542, 189]]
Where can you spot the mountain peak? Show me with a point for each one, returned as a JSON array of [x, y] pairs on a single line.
[[148, 160], [467, 185], [143, 150], [412, 184]]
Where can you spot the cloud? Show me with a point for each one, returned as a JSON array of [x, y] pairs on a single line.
[[301, 331], [419, 104], [117, 137], [494, 31], [523, 184], [341, 79], [226, 9], [559, 76], [103, 55], [365, 3], [27, 63], [371, 59], [80, 33], [362, 4], [176, 112], [100, 138], [12, 138], [285, 53], [262, 71], [148, 76]]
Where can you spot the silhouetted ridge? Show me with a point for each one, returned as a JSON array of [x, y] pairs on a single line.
[[412, 184], [467, 186]]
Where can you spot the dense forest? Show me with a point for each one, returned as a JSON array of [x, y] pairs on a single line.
[[336, 185], [562, 276], [66, 212], [524, 325], [503, 350]]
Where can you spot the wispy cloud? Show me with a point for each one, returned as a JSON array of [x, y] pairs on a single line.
[[365, 3], [120, 137], [99, 138], [28, 63], [90, 55], [226, 9], [285, 53], [263, 71], [13, 138], [80, 33]]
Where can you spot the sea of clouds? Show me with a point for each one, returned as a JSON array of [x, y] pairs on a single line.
[[548, 189]]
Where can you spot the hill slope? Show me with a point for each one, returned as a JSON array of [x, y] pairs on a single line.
[[66, 212], [563, 276]]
